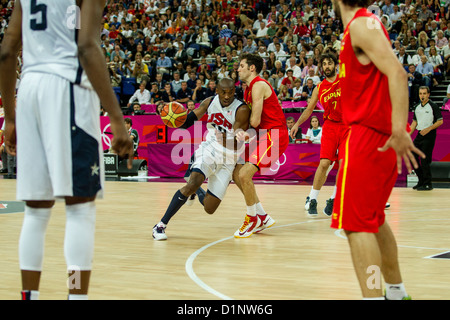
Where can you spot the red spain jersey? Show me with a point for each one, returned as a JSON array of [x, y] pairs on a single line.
[[365, 91], [272, 116], [329, 97]]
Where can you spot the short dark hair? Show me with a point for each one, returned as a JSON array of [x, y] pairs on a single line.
[[253, 59], [129, 121], [425, 88], [328, 56], [357, 3]]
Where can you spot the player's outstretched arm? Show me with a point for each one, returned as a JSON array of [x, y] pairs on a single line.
[[94, 64], [8, 66], [306, 113], [379, 52], [203, 107], [197, 113]]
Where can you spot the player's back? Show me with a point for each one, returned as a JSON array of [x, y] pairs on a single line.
[[365, 100], [329, 94], [49, 33], [272, 116]]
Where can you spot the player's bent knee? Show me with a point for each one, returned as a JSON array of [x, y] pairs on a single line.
[[211, 203]]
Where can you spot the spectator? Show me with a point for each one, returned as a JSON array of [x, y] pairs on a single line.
[[403, 57], [308, 89], [140, 70], [176, 82], [168, 95], [437, 63], [190, 105], [156, 94], [251, 47], [192, 81], [290, 121], [309, 65], [297, 90], [292, 64], [184, 94], [142, 95], [289, 79], [164, 63], [414, 82], [314, 133], [199, 92], [417, 57], [315, 78], [441, 41], [211, 89], [160, 82], [426, 70], [284, 94]]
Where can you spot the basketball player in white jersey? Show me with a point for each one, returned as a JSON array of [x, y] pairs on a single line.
[[215, 159], [58, 132]]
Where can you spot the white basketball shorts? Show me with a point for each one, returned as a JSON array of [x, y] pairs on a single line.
[[59, 151], [216, 167]]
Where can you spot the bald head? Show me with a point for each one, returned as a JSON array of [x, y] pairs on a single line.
[[226, 83]]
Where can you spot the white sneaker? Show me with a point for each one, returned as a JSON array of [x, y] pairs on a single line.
[[159, 232], [266, 222], [388, 205], [248, 227], [308, 201], [191, 200]]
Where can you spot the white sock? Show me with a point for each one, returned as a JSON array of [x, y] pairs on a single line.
[[260, 210], [32, 238], [375, 298], [162, 224], [251, 210], [334, 193], [313, 194], [395, 291], [78, 297]]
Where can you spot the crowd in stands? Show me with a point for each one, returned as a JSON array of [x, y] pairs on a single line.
[[177, 50]]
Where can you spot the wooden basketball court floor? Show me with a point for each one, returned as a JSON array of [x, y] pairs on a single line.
[[298, 259]]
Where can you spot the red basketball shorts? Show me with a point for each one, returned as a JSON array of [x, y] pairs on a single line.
[[365, 181], [334, 135], [267, 147]]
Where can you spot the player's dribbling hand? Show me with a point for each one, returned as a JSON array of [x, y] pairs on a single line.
[[404, 148], [10, 138]]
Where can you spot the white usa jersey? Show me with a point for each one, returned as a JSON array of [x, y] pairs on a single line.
[[221, 119], [49, 36]]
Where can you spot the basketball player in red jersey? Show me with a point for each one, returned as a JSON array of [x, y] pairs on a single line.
[[268, 141], [374, 96], [334, 131]]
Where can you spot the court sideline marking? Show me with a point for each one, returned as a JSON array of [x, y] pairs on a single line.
[[190, 261]]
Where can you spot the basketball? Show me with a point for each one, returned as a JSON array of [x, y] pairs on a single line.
[[173, 114]]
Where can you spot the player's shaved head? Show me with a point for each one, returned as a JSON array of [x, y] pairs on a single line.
[[226, 83], [226, 90]]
